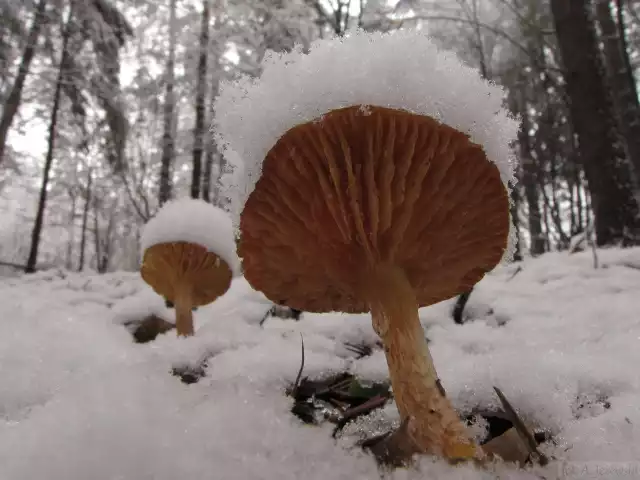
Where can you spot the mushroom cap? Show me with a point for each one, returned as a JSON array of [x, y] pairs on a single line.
[[362, 187], [195, 221], [172, 266]]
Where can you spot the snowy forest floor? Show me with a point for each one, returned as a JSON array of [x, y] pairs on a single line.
[[80, 400]]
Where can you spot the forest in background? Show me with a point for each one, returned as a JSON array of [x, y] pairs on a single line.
[[106, 107]]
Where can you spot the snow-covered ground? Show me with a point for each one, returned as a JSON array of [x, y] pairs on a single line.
[[80, 400]]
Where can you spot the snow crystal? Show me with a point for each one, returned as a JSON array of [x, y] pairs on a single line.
[[362, 68], [195, 221]]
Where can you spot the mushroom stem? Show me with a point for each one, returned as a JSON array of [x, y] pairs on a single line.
[[183, 303], [435, 426]]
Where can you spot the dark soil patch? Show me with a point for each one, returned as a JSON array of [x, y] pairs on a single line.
[[190, 374], [338, 399], [148, 329]]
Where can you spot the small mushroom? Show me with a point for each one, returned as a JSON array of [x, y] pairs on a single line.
[[379, 210], [188, 256], [187, 275]]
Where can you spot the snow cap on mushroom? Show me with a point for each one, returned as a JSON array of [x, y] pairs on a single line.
[[193, 221], [362, 68]]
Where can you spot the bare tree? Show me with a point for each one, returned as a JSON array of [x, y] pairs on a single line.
[[201, 94], [53, 126], [168, 140], [85, 218], [212, 155]]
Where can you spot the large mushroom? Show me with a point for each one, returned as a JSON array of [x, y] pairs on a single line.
[[188, 257], [375, 208], [384, 211]]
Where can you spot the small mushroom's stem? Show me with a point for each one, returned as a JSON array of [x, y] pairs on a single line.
[[434, 424], [184, 316]]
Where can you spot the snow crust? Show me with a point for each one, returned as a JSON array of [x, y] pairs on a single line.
[[196, 221], [80, 400], [402, 69]]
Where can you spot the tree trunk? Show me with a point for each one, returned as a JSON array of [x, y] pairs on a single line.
[[102, 242], [85, 219], [71, 230], [201, 94], [212, 153], [53, 125], [547, 226], [15, 95], [572, 189], [527, 175], [572, 207], [607, 169], [515, 208], [580, 202], [105, 256], [168, 141], [622, 82], [206, 174], [96, 234], [530, 184], [573, 157]]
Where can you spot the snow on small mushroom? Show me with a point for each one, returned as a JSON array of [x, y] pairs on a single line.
[[189, 256], [376, 174]]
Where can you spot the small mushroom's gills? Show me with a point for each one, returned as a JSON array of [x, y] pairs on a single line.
[[434, 425], [189, 257]]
